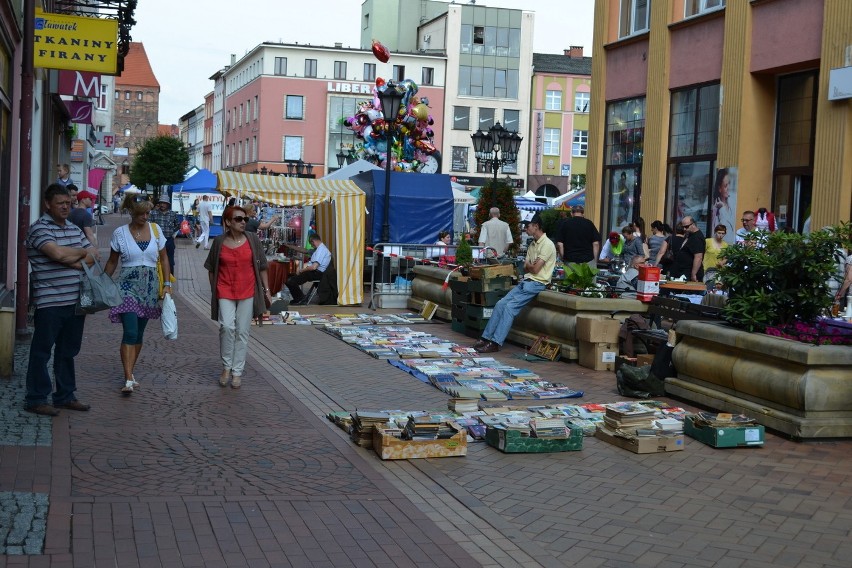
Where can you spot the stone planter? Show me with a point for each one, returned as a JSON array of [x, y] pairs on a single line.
[[802, 390], [553, 314]]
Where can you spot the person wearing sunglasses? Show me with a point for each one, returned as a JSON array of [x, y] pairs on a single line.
[[239, 286], [689, 255], [748, 226]]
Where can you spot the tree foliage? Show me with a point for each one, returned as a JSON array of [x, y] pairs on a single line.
[[780, 279], [502, 196], [159, 161], [464, 254]]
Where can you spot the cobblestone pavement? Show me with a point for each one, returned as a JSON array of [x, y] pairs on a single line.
[[184, 473]]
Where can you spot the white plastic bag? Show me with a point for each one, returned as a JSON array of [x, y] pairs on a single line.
[[169, 317]]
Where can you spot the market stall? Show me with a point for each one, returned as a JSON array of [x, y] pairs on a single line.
[[339, 216]]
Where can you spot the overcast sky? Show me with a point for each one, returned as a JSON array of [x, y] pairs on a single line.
[[187, 42]]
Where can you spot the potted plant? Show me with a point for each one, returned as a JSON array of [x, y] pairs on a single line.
[[583, 278], [464, 256]]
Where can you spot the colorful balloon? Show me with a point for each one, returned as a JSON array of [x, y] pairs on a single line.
[[380, 51]]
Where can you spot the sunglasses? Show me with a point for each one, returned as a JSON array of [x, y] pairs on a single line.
[[239, 219], [747, 220], [688, 226]]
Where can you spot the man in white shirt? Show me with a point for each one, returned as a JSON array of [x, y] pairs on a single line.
[[495, 234], [205, 215], [312, 271]]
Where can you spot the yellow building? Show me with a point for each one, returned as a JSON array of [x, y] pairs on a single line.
[[689, 93]]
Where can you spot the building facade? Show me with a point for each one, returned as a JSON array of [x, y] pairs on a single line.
[[688, 92], [559, 122], [137, 107], [489, 61], [285, 104]]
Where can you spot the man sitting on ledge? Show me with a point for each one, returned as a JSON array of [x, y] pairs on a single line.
[[538, 270], [312, 271]]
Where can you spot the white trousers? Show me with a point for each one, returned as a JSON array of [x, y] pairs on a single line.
[[234, 324], [205, 233]]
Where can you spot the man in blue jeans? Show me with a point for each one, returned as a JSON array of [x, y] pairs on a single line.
[[56, 249], [538, 270]]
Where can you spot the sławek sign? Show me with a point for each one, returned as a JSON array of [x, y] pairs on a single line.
[[75, 42]]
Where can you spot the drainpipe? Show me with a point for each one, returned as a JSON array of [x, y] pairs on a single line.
[[22, 288]]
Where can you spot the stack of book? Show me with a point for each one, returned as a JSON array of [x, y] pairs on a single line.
[[549, 428], [668, 426], [463, 405], [426, 428], [628, 416], [363, 423]]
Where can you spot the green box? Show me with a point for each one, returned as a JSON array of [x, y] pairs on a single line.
[[487, 299], [727, 437], [458, 325], [474, 322], [512, 442], [478, 312], [460, 286]]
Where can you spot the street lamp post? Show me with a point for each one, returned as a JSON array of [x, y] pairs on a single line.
[[496, 148], [391, 100]]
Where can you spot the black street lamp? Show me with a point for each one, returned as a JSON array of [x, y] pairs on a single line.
[[391, 100], [495, 148]]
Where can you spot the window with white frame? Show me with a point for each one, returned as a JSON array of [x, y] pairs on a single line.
[[634, 17], [428, 77], [295, 107], [696, 7], [126, 95], [255, 106], [581, 102], [254, 148], [292, 149], [369, 71], [240, 117], [339, 69], [398, 73], [553, 100], [127, 131], [102, 100], [550, 141], [310, 67], [138, 95], [280, 66], [580, 145]]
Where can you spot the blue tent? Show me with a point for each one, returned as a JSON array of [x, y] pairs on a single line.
[[204, 181], [421, 206], [529, 204]]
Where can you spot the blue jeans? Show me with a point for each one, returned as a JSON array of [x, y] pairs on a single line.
[[510, 306], [60, 330]]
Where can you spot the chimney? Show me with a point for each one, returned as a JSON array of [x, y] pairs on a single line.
[[233, 59], [338, 45], [574, 52]]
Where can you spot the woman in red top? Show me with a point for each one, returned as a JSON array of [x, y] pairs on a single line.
[[240, 290]]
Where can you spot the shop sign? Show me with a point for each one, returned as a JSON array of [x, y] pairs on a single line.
[[103, 141], [79, 112], [75, 42], [80, 84], [122, 151], [840, 84], [77, 148], [358, 88], [480, 181]]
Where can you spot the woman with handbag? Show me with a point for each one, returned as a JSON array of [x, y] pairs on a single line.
[[139, 246], [240, 290]]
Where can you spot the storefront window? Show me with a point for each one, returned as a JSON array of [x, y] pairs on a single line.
[[689, 192], [625, 135]]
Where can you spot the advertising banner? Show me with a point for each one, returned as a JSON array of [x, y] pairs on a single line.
[[75, 42]]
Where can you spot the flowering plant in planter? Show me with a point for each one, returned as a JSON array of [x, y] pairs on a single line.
[[778, 281]]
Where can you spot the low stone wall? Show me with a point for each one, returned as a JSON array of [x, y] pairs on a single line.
[[802, 390], [553, 314]]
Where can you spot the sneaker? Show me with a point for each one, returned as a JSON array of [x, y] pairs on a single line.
[[197, 245], [127, 388], [43, 409]]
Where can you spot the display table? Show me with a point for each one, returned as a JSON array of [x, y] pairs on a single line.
[[278, 273], [674, 287]]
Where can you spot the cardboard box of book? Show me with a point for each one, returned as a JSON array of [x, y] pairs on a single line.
[[511, 441], [641, 444], [389, 447], [597, 330], [597, 356], [721, 435]]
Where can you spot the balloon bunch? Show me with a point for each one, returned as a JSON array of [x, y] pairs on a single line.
[[412, 148]]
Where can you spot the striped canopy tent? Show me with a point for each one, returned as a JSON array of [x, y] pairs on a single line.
[[340, 206]]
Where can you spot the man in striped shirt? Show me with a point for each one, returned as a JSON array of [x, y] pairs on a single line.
[[56, 249]]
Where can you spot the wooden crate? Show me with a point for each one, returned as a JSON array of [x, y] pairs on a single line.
[[486, 271]]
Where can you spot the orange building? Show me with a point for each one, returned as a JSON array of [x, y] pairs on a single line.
[[686, 88]]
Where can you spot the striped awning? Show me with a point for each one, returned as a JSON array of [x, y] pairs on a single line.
[[340, 216]]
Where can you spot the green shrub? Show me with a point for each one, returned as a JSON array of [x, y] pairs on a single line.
[[464, 254]]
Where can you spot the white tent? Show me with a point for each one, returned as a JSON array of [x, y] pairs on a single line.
[[351, 170], [462, 197], [132, 189]]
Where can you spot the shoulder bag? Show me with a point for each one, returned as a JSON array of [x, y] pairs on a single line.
[[97, 290]]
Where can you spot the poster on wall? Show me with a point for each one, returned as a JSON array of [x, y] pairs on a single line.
[[724, 203]]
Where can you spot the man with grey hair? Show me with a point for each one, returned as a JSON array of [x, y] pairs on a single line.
[[495, 234], [689, 257]]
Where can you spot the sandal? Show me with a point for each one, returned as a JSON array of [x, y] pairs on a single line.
[[134, 381], [127, 388]]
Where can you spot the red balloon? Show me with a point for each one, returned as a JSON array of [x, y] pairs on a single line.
[[379, 81], [380, 51]]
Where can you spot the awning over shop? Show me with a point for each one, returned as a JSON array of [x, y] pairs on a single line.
[[339, 214], [96, 176], [529, 204]]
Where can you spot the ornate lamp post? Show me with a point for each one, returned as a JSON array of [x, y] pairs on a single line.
[[391, 100], [495, 148]]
